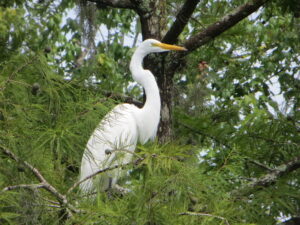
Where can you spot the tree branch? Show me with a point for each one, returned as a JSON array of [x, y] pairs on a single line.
[[269, 178], [203, 214], [259, 164], [292, 221], [123, 4], [213, 31], [26, 186], [44, 183], [218, 141], [182, 19], [272, 141], [136, 162], [124, 98], [224, 24]]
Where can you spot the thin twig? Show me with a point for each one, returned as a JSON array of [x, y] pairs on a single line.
[[127, 151], [137, 33], [260, 164], [275, 142], [203, 214], [26, 186], [53, 206], [50, 201], [221, 142], [48, 205], [136, 162]]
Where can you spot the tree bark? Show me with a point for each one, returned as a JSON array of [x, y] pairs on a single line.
[[154, 23], [268, 179], [153, 18], [182, 19], [166, 93]]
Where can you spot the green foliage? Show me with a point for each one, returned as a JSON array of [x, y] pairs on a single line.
[[162, 187], [44, 117]]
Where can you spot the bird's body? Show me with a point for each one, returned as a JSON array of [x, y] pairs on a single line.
[[126, 125]]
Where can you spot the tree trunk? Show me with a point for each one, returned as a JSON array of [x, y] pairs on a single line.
[[157, 63], [153, 24], [166, 92]]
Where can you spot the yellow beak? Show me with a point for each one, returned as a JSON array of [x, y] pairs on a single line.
[[170, 47]]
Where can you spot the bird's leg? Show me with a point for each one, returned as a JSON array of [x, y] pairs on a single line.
[[117, 192], [122, 190], [110, 183]]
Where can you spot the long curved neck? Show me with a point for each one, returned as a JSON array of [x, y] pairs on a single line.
[[147, 80]]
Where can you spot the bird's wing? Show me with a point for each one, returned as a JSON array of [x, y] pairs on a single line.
[[109, 144]]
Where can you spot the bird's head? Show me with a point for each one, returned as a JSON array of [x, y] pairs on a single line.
[[152, 45]]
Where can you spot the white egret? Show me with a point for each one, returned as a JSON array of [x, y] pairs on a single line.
[[121, 129]]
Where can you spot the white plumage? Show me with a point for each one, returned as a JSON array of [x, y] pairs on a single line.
[[124, 126]]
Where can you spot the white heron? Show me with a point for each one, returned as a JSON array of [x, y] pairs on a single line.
[[118, 133]]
